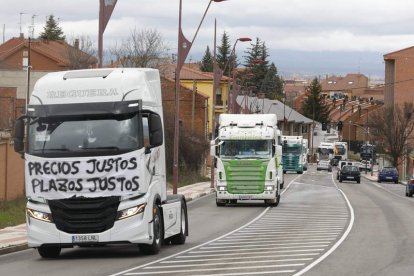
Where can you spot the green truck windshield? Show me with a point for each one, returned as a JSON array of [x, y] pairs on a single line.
[[239, 149]]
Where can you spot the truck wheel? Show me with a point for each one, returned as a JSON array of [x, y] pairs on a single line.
[[220, 202], [154, 248], [281, 185], [300, 172], [273, 202], [49, 251], [180, 237]]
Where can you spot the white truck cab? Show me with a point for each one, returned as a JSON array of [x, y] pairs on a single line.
[[95, 162]]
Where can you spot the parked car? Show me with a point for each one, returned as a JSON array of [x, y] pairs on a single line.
[[388, 174], [409, 188], [350, 172], [324, 165]]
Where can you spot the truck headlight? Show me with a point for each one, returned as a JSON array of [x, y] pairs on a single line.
[[46, 217], [129, 212], [269, 188], [222, 188]]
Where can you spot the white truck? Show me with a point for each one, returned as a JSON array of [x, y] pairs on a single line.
[[248, 155], [95, 171], [295, 154], [340, 151], [325, 151]]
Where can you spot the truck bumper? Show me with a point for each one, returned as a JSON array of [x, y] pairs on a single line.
[[227, 196], [130, 230], [135, 229]]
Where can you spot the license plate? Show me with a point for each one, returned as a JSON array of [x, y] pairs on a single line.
[[245, 197], [350, 177], [85, 238], [389, 177]]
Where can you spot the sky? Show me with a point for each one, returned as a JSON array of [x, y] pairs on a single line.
[[304, 37]]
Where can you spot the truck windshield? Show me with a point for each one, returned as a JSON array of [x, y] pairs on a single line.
[[246, 149], [292, 149], [82, 134]]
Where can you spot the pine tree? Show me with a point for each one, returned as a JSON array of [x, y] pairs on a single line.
[[314, 105], [51, 30], [223, 54], [272, 84], [207, 61]]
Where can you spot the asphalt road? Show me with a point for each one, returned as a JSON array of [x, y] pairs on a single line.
[[321, 227]]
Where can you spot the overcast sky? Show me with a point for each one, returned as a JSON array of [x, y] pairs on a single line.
[[303, 36]]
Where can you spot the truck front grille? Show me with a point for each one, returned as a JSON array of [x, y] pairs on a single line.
[[84, 215], [290, 162], [245, 176]]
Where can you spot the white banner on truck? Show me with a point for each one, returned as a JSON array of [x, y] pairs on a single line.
[[57, 178]]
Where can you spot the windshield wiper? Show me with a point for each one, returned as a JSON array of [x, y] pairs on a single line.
[[57, 149], [99, 148]]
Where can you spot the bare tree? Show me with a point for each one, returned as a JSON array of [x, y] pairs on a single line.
[[81, 53], [394, 128], [143, 48]]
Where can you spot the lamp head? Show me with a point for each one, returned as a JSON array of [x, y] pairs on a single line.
[[244, 39]]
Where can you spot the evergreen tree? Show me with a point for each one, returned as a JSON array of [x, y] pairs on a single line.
[[207, 61], [272, 84], [51, 30], [223, 54], [314, 105]]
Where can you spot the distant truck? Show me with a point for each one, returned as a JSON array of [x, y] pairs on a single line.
[[295, 154], [248, 156], [340, 151], [95, 163], [325, 151]]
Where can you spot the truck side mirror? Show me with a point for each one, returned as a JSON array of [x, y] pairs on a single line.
[[213, 148], [155, 130], [19, 135]]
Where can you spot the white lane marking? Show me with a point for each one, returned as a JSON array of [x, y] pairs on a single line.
[[253, 253], [224, 263], [212, 269], [194, 258], [268, 239], [282, 245], [261, 248], [339, 242], [248, 273], [298, 257], [248, 243]]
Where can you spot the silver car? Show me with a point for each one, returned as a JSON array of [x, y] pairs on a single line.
[[324, 165]]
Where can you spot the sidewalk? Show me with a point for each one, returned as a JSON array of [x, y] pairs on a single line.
[[14, 238]]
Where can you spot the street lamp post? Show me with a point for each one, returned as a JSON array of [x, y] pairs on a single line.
[[106, 7], [217, 76], [232, 93], [184, 46]]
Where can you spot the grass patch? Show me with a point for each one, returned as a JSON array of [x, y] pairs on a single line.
[[12, 212]]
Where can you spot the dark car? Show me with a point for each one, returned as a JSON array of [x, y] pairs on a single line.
[[388, 174], [409, 189], [350, 172]]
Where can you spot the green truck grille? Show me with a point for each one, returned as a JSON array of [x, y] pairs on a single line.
[[290, 162], [245, 176]]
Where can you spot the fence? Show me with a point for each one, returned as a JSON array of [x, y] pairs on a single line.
[[11, 172]]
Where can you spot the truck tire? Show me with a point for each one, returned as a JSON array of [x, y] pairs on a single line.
[[155, 246], [220, 202], [49, 251], [181, 237], [273, 202]]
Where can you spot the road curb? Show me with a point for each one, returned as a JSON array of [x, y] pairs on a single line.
[[13, 248]]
